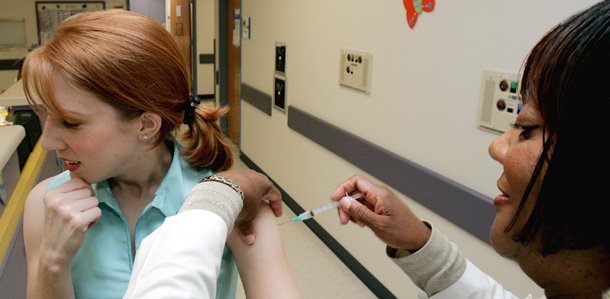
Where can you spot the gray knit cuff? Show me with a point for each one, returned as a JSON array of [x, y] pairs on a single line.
[[217, 198], [436, 266]]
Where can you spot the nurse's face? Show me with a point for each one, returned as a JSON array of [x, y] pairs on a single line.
[[93, 141], [518, 150]]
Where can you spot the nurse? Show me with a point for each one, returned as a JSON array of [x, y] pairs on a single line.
[[114, 90], [549, 216]]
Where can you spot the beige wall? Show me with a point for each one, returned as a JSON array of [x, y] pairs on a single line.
[[422, 105]]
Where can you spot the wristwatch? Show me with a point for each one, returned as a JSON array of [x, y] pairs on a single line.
[[226, 181]]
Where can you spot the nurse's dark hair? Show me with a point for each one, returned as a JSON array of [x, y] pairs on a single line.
[[567, 78], [132, 63]]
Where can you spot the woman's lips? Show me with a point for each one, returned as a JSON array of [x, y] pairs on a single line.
[[501, 199], [71, 165]]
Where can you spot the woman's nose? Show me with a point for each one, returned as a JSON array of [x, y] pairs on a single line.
[[50, 139], [498, 148]]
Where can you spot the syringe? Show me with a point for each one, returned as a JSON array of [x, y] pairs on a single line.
[[324, 208]]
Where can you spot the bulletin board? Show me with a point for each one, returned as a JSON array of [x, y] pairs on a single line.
[[49, 14]]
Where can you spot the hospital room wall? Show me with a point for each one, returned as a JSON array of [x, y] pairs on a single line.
[[422, 104]]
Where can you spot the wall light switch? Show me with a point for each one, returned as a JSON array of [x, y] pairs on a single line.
[[279, 95], [280, 57], [245, 22], [355, 69]]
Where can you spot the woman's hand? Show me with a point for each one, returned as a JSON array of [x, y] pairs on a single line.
[[387, 215], [256, 187], [70, 209]]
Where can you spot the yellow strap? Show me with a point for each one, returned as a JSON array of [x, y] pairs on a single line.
[[14, 209]]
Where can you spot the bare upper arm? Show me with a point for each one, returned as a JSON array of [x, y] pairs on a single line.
[[263, 266], [33, 229]]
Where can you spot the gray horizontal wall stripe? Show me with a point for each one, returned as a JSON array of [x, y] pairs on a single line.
[[459, 204], [257, 98]]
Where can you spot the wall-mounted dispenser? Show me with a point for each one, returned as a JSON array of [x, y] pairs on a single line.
[[499, 101]]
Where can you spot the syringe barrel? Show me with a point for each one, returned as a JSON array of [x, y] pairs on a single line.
[[324, 208]]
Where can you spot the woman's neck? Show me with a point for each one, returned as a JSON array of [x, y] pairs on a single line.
[[571, 273], [143, 177]]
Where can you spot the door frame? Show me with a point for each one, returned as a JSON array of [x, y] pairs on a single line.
[[221, 71]]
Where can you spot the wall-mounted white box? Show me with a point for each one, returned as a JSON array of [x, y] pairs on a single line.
[[499, 101], [355, 69]]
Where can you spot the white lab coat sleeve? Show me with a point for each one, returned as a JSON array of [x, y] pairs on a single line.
[[473, 284], [181, 259], [441, 272]]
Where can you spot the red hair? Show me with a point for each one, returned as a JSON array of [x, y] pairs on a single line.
[[132, 63]]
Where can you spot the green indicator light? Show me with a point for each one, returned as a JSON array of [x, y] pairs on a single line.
[[513, 87]]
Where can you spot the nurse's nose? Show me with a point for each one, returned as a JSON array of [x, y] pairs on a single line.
[[499, 147], [51, 136]]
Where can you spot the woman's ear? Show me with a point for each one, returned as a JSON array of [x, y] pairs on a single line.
[[150, 124]]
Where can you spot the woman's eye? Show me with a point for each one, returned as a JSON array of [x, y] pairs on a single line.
[[526, 131], [69, 125]]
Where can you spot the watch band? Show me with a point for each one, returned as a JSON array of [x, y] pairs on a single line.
[[226, 181]]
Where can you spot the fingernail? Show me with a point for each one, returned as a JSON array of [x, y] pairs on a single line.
[[346, 203]]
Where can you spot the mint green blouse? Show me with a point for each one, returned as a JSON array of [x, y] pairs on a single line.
[[103, 264]]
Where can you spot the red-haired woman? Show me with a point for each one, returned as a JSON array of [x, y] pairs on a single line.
[[114, 89]]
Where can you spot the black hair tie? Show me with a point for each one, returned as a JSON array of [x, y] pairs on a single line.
[[189, 109]]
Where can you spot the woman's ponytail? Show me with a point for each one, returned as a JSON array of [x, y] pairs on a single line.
[[204, 142]]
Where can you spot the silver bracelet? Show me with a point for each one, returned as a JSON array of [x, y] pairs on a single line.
[[226, 181]]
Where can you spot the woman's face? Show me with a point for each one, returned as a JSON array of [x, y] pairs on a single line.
[[96, 144], [518, 150]]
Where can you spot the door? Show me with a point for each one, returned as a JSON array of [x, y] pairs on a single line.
[[233, 70], [180, 24]]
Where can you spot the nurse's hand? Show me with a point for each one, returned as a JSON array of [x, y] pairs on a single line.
[[381, 210], [69, 211], [256, 187]]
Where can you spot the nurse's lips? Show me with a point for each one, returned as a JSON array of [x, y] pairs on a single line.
[[501, 199], [71, 165]]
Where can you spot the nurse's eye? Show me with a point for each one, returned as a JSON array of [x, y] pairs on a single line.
[[526, 131]]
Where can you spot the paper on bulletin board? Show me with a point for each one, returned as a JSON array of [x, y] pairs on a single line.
[[236, 27], [49, 14]]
